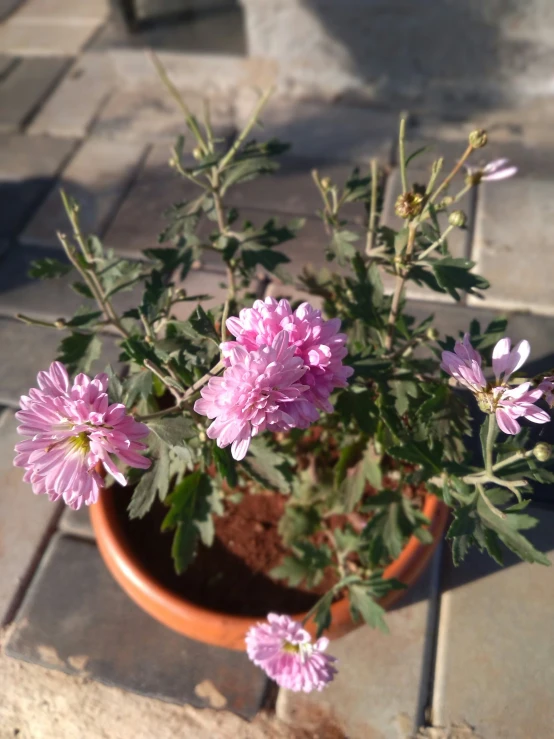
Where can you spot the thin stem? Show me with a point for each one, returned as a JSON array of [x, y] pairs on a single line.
[[514, 458], [489, 505], [372, 223], [436, 243], [491, 432], [447, 180], [224, 317], [246, 130], [59, 325], [147, 328], [167, 381], [174, 92], [435, 171], [402, 154], [399, 287]]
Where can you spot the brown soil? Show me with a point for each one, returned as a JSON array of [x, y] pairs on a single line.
[[232, 575]]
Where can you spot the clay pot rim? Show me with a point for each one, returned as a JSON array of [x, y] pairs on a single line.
[[221, 629]]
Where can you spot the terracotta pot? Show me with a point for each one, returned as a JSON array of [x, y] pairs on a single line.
[[221, 629]]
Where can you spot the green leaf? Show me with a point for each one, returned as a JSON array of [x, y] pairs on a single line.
[[342, 245], [267, 466], [48, 269], [82, 289], [225, 464], [202, 324], [322, 615], [84, 318], [454, 274], [138, 386], [173, 431], [363, 605], [307, 564], [420, 454], [507, 531], [153, 483], [266, 258], [79, 351], [115, 389]]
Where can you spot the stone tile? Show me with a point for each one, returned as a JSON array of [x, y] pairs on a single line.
[[6, 64], [150, 113], [140, 219], [77, 619], [24, 89], [97, 177], [28, 349], [419, 172], [200, 282], [513, 242], [496, 639], [378, 693], [26, 522], [38, 39], [54, 12], [76, 523], [28, 167], [77, 100], [325, 132], [7, 7], [292, 190], [45, 299]]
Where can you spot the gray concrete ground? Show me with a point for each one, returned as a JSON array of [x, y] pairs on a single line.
[[471, 651]]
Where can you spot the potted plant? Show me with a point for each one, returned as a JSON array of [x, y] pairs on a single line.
[[300, 459]]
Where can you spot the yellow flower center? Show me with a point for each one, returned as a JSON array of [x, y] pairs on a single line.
[[80, 443], [291, 648]]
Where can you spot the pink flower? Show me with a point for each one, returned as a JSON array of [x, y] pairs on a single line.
[[547, 387], [492, 172], [261, 390], [464, 364], [71, 429], [508, 404], [315, 340], [284, 650]]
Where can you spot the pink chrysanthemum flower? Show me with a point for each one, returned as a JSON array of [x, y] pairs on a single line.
[[507, 403], [315, 340], [284, 650], [72, 427], [260, 391], [547, 387]]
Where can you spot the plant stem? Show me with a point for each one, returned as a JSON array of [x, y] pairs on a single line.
[[246, 130], [174, 92], [399, 287], [436, 243], [448, 179], [491, 431], [489, 505], [402, 154], [36, 322], [166, 380], [372, 223]]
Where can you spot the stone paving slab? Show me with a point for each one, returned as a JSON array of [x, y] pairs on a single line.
[[325, 132], [54, 12], [377, 693], [28, 349], [76, 523], [495, 666], [513, 244], [76, 618], [6, 63], [150, 114], [73, 106], [28, 167], [25, 87], [38, 39], [26, 521], [7, 7], [97, 177]]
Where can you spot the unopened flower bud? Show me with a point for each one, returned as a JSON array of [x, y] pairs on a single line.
[[60, 323], [478, 138], [197, 153], [326, 183], [457, 218], [432, 333], [181, 294], [409, 205], [542, 451]]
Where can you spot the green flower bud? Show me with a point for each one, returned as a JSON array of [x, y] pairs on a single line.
[[542, 451], [478, 138], [457, 218], [326, 183], [197, 153], [409, 205], [60, 323], [432, 333]]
